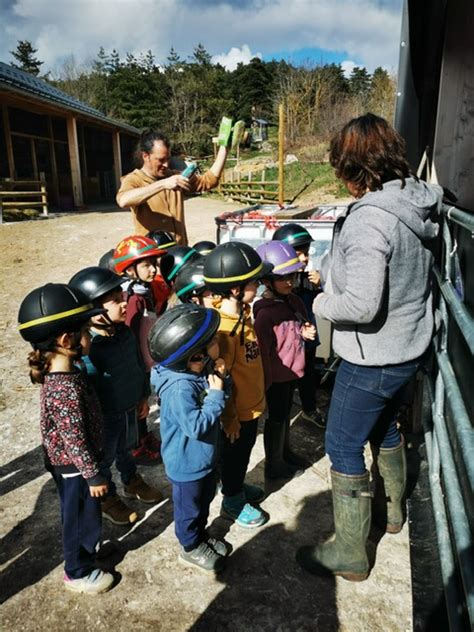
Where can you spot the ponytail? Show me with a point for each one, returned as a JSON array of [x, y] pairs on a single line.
[[39, 361]]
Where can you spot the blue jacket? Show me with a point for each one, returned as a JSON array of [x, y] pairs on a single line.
[[116, 370], [189, 423]]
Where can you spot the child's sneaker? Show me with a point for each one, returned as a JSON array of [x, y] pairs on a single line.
[[117, 511], [152, 442], [219, 546], [316, 417], [137, 488], [245, 515], [253, 493], [145, 454], [204, 557], [93, 584]]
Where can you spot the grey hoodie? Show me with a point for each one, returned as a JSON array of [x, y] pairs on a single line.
[[381, 260]]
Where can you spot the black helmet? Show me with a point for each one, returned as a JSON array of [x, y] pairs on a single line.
[[107, 260], [233, 264], [204, 247], [180, 333], [293, 235], [162, 238], [52, 309], [174, 260], [94, 282], [190, 280]]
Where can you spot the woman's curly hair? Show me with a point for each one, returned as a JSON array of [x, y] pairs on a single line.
[[367, 152]]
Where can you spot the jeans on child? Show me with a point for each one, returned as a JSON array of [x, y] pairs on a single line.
[[191, 501], [364, 403], [234, 457], [81, 524], [120, 435]]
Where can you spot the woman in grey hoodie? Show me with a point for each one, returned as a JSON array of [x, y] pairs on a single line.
[[381, 308]]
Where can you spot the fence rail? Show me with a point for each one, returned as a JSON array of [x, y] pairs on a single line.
[[11, 198]]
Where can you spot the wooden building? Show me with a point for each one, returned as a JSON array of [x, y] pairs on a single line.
[[45, 133]]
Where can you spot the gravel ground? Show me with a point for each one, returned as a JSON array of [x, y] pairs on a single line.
[[262, 588]]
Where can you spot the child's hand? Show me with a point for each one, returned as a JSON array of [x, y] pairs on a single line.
[[215, 382], [143, 408], [98, 490], [219, 367], [308, 331], [233, 432], [314, 277]]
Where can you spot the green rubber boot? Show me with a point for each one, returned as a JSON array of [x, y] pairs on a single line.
[[390, 485], [345, 554]]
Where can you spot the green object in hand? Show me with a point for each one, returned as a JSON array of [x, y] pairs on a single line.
[[225, 132], [238, 132]]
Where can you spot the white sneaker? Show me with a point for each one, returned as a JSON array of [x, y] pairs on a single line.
[[96, 582]]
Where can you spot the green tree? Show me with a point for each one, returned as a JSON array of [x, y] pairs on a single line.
[[24, 55], [254, 87], [201, 56], [381, 98], [359, 82]]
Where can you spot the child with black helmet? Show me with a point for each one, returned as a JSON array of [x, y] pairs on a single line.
[[54, 319], [282, 327], [183, 344], [232, 270], [115, 366], [161, 291], [136, 258], [307, 286]]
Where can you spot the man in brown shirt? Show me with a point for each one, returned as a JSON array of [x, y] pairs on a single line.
[[155, 194]]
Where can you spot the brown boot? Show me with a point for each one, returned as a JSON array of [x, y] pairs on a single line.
[[137, 488], [115, 510]]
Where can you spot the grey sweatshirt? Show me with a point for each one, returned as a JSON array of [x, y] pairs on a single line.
[[381, 260]]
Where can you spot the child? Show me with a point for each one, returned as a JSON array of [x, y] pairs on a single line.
[[190, 286], [183, 343], [159, 287], [136, 259], [307, 287], [233, 270], [282, 327], [53, 318], [116, 368]]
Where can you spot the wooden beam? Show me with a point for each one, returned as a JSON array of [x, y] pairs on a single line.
[[8, 141], [75, 162], [117, 158]]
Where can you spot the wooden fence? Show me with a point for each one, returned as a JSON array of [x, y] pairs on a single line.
[[22, 194], [249, 187]]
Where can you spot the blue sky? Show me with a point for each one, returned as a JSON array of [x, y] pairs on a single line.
[[350, 32]]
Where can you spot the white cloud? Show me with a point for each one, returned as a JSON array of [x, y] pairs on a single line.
[[235, 56], [347, 67], [366, 30]]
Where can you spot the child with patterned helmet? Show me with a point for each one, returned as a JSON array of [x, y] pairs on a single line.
[[136, 258], [54, 319]]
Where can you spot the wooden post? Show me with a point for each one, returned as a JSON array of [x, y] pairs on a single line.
[[8, 142], [54, 166], [33, 159], [75, 162], [281, 154], [44, 199], [117, 158]]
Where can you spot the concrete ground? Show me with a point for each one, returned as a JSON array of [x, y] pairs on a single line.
[[262, 589]]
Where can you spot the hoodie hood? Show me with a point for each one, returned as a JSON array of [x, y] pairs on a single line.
[[162, 378], [415, 205]]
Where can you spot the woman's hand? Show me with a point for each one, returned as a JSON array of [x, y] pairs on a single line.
[[143, 408], [314, 277]]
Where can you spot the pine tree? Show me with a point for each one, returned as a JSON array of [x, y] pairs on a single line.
[[201, 56], [253, 89], [24, 54], [381, 99], [359, 82]]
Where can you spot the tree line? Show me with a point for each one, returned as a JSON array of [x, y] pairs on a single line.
[[186, 98]]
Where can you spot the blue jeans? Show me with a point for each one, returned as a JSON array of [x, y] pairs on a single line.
[[119, 436], [191, 501], [364, 403]]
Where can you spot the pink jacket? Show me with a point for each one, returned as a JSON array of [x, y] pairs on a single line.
[[278, 327]]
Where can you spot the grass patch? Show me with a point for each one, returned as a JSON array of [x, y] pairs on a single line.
[[18, 215]]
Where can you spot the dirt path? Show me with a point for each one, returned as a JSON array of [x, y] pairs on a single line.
[[262, 588]]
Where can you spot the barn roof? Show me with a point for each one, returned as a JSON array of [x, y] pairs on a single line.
[[17, 81]]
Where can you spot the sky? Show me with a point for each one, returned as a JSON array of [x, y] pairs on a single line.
[[349, 32]]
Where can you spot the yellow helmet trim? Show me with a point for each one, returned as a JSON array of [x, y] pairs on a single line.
[[241, 277], [48, 319]]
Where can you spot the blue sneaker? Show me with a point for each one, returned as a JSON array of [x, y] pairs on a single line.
[[236, 508], [253, 493]]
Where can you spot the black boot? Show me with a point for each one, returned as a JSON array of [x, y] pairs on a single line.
[[288, 455], [273, 439]]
